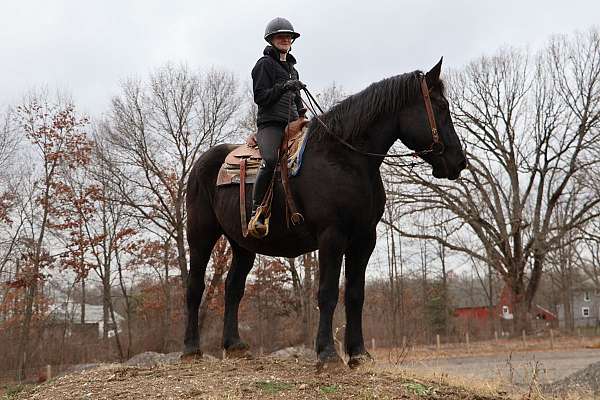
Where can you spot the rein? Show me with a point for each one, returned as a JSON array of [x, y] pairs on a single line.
[[436, 147]]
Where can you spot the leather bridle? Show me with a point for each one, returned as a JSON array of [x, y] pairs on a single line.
[[436, 140], [437, 145]]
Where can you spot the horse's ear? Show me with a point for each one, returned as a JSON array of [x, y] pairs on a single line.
[[433, 76]]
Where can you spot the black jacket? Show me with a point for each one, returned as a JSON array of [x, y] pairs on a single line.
[[268, 77]]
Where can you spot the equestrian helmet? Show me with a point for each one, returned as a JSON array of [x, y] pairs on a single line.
[[279, 25]]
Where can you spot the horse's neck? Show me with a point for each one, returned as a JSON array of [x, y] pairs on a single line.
[[377, 139], [380, 137]]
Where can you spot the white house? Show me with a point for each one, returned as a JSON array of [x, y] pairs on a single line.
[[71, 312]]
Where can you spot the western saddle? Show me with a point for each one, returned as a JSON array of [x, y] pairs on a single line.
[[242, 163], [249, 152]]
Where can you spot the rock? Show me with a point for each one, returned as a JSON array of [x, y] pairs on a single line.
[[151, 358], [301, 352], [79, 368]]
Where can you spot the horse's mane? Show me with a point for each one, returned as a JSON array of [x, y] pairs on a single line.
[[349, 118]]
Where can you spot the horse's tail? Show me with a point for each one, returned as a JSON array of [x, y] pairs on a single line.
[[203, 176]]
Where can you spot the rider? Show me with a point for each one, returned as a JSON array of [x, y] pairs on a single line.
[[277, 93]]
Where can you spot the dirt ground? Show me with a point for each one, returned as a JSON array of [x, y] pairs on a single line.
[[262, 378], [482, 371]]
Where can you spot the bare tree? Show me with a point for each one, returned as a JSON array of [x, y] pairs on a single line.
[[330, 96], [247, 121], [9, 228], [8, 141], [57, 139], [106, 229], [155, 133], [530, 123], [395, 275], [587, 254]]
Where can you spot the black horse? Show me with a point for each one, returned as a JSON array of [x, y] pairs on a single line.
[[340, 194]]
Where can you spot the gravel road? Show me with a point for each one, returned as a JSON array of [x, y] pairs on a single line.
[[516, 367]]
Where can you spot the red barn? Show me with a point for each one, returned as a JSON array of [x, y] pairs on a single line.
[[474, 312]]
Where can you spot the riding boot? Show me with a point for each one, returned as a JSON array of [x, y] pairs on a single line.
[[257, 226]]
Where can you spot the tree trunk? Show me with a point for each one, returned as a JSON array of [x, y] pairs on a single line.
[[568, 310], [82, 301], [23, 350], [127, 305], [492, 317], [522, 317], [180, 240], [444, 295], [117, 336], [296, 285], [105, 307], [209, 293], [167, 321], [308, 299], [392, 276], [520, 306]]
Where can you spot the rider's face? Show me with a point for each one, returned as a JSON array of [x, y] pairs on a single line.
[[282, 41]]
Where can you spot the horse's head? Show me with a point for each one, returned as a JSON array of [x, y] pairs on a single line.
[[430, 133]]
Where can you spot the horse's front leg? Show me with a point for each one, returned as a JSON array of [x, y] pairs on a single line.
[[332, 244], [357, 258]]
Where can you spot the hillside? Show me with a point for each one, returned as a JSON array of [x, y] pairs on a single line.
[[262, 378]]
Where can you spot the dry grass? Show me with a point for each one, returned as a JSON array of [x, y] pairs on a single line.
[[499, 386]]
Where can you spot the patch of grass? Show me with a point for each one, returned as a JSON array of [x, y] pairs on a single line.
[[329, 389], [273, 387], [12, 391], [419, 389]]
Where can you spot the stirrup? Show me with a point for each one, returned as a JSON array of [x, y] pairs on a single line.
[[258, 232]]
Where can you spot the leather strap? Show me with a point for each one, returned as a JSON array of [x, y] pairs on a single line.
[[430, 116], [243, 197], [290, 206]]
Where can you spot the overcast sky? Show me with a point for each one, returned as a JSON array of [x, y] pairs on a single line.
[[87, 48]]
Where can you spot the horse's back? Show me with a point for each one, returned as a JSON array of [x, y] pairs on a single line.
[[203, 176]]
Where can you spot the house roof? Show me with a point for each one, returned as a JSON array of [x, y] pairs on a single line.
[[72, 312], [586, 284], [545, 311], [467, 295]]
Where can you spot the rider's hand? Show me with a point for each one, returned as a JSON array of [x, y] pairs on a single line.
[[293, 84]]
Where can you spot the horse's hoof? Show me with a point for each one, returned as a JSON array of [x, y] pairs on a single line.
[[191, 356], [359, 360], [329, 361], [330, 366], [238, 350]]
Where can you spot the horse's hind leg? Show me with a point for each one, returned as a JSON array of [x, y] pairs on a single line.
[[241, 264], [203, 233]]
